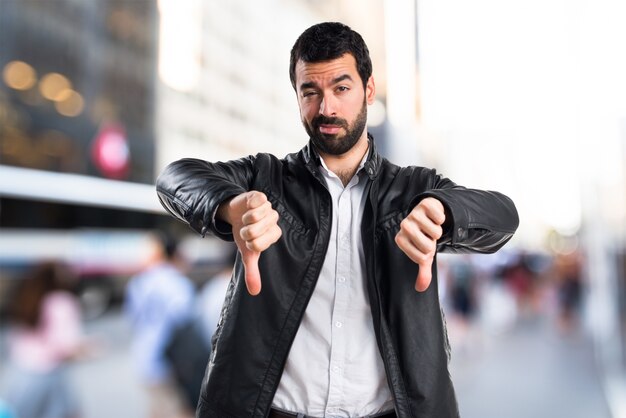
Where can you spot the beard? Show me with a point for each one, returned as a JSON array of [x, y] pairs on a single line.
[[334, 144]]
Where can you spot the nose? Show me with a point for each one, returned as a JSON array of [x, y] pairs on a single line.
[[328, 106]]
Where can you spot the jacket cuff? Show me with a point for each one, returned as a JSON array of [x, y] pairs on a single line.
[[219, 228], [455, 227]]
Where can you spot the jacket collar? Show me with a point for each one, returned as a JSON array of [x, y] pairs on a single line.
[[371, 167]]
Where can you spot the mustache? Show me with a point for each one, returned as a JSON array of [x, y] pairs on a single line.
[[325, 120]]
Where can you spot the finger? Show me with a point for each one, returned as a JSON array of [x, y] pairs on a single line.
[[424, 276], [254, 215], [264, 241], [253, 276], [423, 260], [432, 230], [254, 199], [409, 248], [434, 210], [418, 220], [415, 234]]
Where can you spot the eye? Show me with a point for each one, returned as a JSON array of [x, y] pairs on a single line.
[[309, 93], [342, 88]]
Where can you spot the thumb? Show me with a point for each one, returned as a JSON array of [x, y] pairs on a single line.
[[253, 276], [424, 276]]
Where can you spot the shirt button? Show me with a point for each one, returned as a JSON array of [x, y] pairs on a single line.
[[460, 230], [342, 279], [338, 324]]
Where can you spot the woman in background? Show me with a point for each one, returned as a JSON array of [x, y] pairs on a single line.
[[45, 333]]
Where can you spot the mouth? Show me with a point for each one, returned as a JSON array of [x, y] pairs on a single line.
[[329, 129]]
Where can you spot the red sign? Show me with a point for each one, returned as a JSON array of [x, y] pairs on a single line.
[[110, 152]]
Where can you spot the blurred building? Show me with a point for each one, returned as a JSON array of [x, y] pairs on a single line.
[[224, 89], [76, 96], [72, 69], [540, 114], [77, 137]]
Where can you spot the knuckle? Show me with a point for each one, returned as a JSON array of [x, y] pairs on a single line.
[[253, 217], [255, 199], [422, 258], [253, 246], [250, 199], [419, 216]]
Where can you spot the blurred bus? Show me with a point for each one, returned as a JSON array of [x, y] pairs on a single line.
[[99, 228]]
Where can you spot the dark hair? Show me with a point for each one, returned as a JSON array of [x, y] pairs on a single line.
[[170, 246], [168, 242], [27, 300], [328, 41]]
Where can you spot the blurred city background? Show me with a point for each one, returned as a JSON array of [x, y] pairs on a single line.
[[525, 97]]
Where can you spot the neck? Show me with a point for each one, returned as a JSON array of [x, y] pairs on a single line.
[[345, 165]]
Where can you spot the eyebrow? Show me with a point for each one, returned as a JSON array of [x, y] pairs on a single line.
[[341, 78], [312, 84]]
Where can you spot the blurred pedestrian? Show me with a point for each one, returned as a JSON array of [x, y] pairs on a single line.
[[45, 335], [521, 281], [159, 300], [343, 244], [568, 270], [462, 289], [462, 293]]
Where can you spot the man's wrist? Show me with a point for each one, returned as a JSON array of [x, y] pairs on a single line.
[[223, 211]]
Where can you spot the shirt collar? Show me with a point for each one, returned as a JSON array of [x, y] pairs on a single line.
[[327, 171]]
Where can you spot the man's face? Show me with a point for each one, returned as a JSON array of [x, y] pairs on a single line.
[[333, 103]]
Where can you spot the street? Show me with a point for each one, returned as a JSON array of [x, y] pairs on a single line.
[[527, 371]]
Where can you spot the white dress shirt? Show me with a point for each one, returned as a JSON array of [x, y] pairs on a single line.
[[334, 368]]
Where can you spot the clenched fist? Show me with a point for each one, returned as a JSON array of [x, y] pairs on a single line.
[[418, 236], [255, 227]]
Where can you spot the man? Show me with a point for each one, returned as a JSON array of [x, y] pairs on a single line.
[[336, 249], [158, 300]]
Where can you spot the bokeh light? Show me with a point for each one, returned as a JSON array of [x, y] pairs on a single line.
[[19, 75], [55, 86], [70, 103]]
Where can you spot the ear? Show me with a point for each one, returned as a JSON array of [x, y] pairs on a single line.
[[370, 90]]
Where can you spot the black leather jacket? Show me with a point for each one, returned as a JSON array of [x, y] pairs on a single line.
[[254, 334]]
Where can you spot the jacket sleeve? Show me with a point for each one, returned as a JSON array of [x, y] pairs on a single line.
[[477, 221], [192, 190]]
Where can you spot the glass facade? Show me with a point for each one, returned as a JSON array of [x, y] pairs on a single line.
[[73, 72], [77, 95]]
